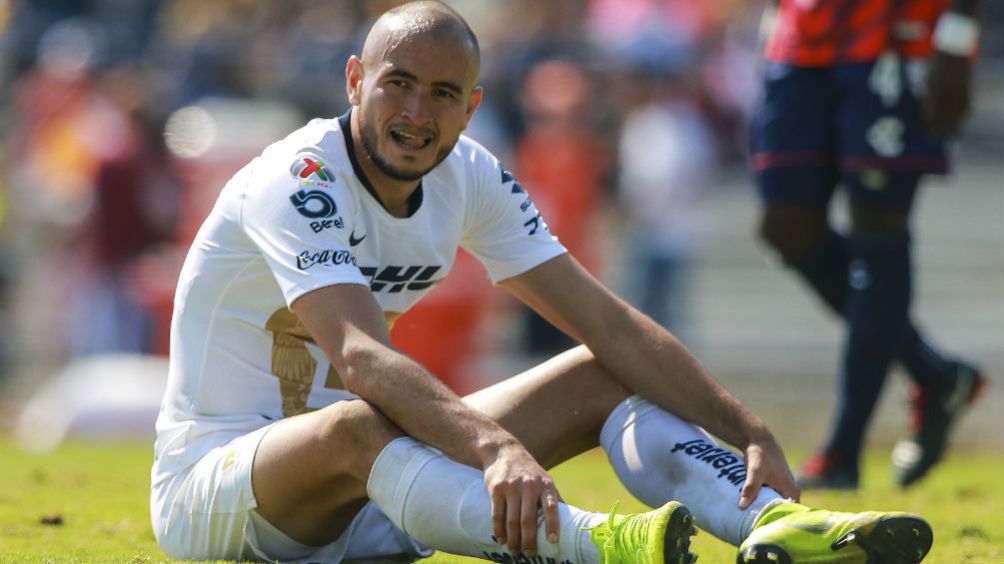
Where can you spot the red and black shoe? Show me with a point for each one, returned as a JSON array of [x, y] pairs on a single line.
[[828, 470], [932, 414]]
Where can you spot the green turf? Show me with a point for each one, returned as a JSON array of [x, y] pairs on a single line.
[[100, 494]]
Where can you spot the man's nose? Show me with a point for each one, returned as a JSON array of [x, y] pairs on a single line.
[[417, 108]]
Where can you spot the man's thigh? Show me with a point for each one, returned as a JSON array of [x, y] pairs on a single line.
[[371, 537], [310, 471], [793, 151], [204, 514], [556, 409], [293, 489]]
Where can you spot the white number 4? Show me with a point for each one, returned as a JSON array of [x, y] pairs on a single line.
[[886, 80]]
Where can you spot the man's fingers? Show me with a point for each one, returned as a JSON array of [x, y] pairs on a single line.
[[498, 516], [791, 491], [528, 521], [512, 523], [750, 490], [552, 524], [753, 479]]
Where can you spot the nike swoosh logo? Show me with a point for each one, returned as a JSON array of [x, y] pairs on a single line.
[[353, 241]]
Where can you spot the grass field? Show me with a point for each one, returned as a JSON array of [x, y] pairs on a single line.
[[97, 497]]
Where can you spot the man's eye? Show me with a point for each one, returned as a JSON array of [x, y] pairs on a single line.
[[444, 93]]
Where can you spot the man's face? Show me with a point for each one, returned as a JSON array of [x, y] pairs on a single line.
[[413, 104]]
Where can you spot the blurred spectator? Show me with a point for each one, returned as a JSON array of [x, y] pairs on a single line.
[[56, 141], [135, 209], [92, 189], [667, 159], [563, 165], [657, 33]]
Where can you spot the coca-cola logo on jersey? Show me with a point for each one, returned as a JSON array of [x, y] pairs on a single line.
[[327, 257]]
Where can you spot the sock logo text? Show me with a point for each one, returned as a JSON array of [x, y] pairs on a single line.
[[730, 466]]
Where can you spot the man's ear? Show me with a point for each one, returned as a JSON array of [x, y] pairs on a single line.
[[477, 95], [354, 80]]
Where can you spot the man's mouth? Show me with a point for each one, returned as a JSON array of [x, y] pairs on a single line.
[[410, 140]]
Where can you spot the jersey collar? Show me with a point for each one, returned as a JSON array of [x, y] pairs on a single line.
[[414, 201]]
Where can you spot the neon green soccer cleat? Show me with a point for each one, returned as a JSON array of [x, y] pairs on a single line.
[[790, 533], [660, 536]]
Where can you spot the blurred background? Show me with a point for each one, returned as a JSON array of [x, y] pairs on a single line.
[[626, 119]]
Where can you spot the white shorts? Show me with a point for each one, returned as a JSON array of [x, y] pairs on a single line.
[[208, 513]]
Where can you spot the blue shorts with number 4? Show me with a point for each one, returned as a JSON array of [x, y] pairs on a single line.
[[852, 121]]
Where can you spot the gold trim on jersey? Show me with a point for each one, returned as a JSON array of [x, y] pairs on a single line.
[[293, 364]]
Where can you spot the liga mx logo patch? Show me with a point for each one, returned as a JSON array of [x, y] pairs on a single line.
[[306, 166]]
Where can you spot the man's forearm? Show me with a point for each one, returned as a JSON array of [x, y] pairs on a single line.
[[653, 363], [348, 325], [642, 355], [425, 408]]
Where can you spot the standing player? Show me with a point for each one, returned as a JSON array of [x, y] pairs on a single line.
[[291, 429], [846, 104]]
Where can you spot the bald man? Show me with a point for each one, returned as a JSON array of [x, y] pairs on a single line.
[[292, 430]]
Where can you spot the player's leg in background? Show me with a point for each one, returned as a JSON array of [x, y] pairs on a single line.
[[796, 171], [822, 257], [878, 314], [878, 301], [793, 159], [824, 267], [885, 149]]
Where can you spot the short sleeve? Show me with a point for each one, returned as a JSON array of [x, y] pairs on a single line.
[[300, 226], [503, 228]]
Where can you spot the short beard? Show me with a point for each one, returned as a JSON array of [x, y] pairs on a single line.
[[369, 135]]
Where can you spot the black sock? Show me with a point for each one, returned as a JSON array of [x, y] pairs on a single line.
[[876, 311], [825, 267]]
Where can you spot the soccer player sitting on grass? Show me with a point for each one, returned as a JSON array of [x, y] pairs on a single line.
[[292, 430]]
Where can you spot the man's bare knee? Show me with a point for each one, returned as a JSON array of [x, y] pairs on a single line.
[[355, 432], [336, 444]]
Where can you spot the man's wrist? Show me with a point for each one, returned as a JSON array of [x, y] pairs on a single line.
[[758, 434], [489, 449], [956, 34]]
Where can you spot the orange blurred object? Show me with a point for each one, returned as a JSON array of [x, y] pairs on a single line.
[[443, 331]]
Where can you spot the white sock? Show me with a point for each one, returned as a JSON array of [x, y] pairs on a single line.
[[444, 505], [659, 457]]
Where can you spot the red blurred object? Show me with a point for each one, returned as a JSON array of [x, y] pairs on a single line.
[[443, 331]]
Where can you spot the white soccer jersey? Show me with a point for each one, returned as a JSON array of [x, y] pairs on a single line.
[[297, 218]]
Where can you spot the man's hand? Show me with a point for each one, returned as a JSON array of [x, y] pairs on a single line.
[[518, 486], [948, 93], [765, 465]]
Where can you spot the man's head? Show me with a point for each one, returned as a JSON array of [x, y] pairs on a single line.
[[414, 87]]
